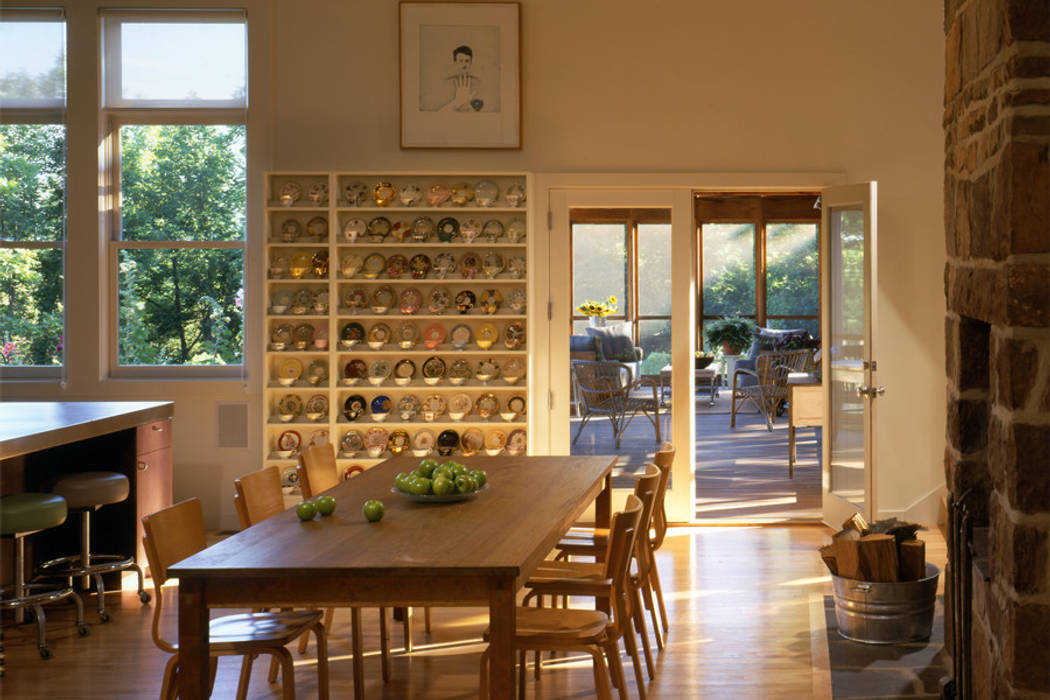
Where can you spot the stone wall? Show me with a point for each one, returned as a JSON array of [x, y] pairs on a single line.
[[997, 284]]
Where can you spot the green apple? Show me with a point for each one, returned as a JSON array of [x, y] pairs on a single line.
[[442, 472], [464, 484], [306, 510], [401, 481], [480, 477], [420, 486], [459, 470], [373, 510], [442, 486], [426, 467], [325, 505]]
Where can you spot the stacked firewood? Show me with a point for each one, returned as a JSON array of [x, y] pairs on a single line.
[[886, 550]]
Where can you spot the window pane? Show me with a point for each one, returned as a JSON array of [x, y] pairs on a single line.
[[181, 307], [729, 269], [32, 64], [182, 61], [599, 263], [182, 183], [792, 284], [810, 324], [654, 269], [32, 182], [31, 306], [655, 339]]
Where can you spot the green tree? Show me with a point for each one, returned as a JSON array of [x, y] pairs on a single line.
[[179, 305]]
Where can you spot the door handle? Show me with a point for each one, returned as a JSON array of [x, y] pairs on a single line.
[[143, 466], [872, 391]]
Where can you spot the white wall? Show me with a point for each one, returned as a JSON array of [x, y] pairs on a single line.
[[615, 86]]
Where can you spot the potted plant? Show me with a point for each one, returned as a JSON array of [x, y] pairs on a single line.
[[733, 333], [702, 359], [596, 311]]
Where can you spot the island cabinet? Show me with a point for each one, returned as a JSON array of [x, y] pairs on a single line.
[[40, 442]]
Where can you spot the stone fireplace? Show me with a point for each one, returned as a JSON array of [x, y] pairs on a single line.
[[997, 284]]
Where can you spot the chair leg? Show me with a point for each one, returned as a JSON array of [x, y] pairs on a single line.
[[275, 667], [638, 614], [521, 673], [483, 676], [246, 674], [384, 645], [654, 578], [213, 668], [356, 654], [647, 593], [406, 626], [426, 619], [321, 636], [632, 650], [612, 654], [168, 684], [601, 674], [287, 673]]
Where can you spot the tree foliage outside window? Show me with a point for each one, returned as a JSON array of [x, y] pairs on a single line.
[[32, 210], [182, 305]]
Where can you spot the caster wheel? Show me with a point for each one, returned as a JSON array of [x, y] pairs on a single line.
[[103, 616], [83, 630], [45, 653], [145, 597]]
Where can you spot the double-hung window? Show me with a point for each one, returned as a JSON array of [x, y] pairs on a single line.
[[175, 105], [32, 192]]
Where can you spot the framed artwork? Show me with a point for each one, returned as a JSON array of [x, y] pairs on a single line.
[[460, 75]]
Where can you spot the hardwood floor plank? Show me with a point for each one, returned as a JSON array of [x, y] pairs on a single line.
[[740, 601]]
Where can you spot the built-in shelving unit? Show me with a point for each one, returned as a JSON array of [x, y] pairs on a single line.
[[399, 291]]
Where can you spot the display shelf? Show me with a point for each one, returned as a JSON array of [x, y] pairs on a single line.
[[305, 286]]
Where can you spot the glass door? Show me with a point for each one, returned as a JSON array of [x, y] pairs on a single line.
[[848, 363]]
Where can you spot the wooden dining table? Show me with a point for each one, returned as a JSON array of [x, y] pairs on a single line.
[[476, 552]]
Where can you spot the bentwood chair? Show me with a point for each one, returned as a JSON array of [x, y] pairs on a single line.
[[766, 385], [590, 631], [177, 532], [317, 473], [258, 496], [607, 389], [564, 577]]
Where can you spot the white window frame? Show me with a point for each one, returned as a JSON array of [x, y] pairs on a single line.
[[40, 111], [118, 113]]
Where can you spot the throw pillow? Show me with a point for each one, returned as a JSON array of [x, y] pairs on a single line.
[[615, 342]]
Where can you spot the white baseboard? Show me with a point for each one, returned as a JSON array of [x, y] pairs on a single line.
[[926, 509]]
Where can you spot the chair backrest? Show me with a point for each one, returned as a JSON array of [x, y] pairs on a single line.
[[171, 535], [623, 529], [599, 381], [664, 459], [258, 496], [773, 368], [645, 489], [317, 469]]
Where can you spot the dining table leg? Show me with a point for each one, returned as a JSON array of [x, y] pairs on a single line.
[[194, 675], [502, 618]]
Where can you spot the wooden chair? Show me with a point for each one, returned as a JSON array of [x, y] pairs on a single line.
[[585, 542], [606, 388], [563, 577], [258, 496], [590, 631], [177, 532], [766, 385], [318, 472]]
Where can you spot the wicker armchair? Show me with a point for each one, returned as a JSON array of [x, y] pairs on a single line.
[[766, 385], [606, 388]]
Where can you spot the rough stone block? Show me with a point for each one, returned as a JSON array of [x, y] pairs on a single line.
[[953, 59], [968, 425], [1028, 66], [1019, 554], [991, 35], [1027, 20], [949, 214], [1027, 289], [967, 343], [976, 292], [1027, 165], [981, 667], [1024, 647], [1016, 363], [982, 243], [1018, 454], [969, 474], [1020, 98]]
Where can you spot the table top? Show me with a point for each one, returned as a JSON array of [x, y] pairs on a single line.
[[29, 426], [503, 531]]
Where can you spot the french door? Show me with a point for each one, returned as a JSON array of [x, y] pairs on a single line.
[[848, 359]]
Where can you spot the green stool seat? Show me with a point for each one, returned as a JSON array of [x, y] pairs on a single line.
[[30, 512]]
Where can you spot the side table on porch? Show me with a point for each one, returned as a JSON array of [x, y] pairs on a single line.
[[708, 379]]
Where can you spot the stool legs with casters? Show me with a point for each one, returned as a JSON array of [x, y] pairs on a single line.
[[85, 493], [20, 515]]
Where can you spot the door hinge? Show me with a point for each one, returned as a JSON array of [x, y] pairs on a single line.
[[550, 309], [550, 220], [874, 366], [550, 400]]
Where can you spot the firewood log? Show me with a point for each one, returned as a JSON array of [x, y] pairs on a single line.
[[878, 557], [858, 523], [847, 553], [912, 555], [827, 553]]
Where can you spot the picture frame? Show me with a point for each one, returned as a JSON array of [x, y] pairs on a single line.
[[460, 68]]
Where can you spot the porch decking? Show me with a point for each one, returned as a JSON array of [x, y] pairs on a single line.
[[741, 472]]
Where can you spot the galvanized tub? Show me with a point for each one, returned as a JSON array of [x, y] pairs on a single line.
[[886, 613]]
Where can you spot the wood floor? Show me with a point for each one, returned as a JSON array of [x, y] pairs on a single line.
[[741, 472], [746, 605]]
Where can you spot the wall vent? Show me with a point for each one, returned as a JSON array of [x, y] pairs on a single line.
[[233, 424]]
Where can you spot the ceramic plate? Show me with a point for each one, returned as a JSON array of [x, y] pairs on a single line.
[[374, 265], [433, 336], [515, 195], [407, 335], [318, 403], [492, 230], [354, 193], [354, 228], [290, 193], [410, 195], [469, 265], [384, 194], [291, 230], [355, 298], [516, 404], [486, 405], [444, 263], [405, 369], [408, 407], [352, 333], [490, 301], [487, 335], [517, 441], [289, 371], [492, 264], [378, 229], [422, 228], [434, 368], [397, 442], [382, 299], [352, 441], [460, 336], [350, 265], [355, 369], [354, 407], [317, 227], [447, 229], [317, 372], [396, 265], [514, 335], [438, 194], [290, 404], [289, 440], [460, 370], [376, 439], [423, 442], [471, 442], [465, 301], [486, 193], [459, 404], [380, 369], [410, 301], [434, 407], [462, 193], [419, 265], [438, 300]]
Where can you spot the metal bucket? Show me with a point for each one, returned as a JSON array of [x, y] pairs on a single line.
[[886, 613]]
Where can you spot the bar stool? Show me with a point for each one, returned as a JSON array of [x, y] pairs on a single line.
[[23, 514], [85, 493]]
